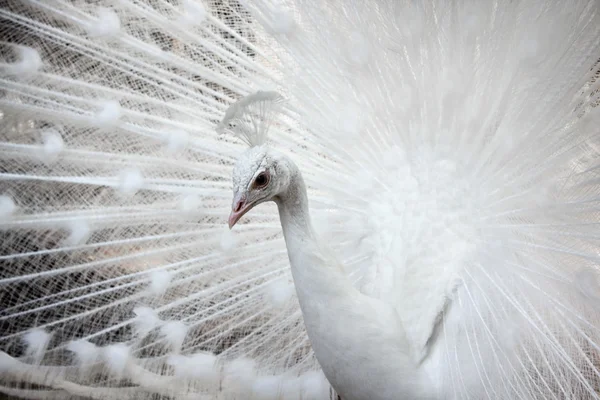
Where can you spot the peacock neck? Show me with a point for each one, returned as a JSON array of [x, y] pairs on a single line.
[[314, 268], [293, 211]]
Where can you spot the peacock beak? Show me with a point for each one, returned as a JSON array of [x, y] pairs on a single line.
[[240, 207]]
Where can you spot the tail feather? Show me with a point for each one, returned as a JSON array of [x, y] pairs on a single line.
[[450, 149]]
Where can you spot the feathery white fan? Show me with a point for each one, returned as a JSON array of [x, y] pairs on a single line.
[[449, 149]]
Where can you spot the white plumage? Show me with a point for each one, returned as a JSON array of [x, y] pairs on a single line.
[[450, 155]]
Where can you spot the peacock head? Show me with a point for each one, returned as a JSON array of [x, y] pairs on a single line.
[[259, 175]]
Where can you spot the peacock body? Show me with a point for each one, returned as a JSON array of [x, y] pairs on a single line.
[[449, 151]]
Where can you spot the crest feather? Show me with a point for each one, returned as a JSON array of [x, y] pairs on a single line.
[[251, 117]]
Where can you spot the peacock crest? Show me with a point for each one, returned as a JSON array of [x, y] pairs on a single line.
[[251, 117]]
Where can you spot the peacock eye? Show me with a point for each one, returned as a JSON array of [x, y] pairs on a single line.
[[261, 180]]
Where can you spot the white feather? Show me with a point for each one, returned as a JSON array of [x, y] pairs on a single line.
[[282, 20], [86, 353], [7, 207], [228, 240], [116, 357], [106, 25], [79, 232], [176, 141], [450, 154], [193, 13], [174, 332], [27, 65], [267, 387], [201, 366], [314, 385], [109, 114], [279, 293], [36, 342], [159, 282], [130, 181], [146, 320], [239, 376], [190, 204], [52, 145]]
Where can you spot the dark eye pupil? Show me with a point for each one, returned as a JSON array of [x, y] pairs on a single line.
[[261, 179]]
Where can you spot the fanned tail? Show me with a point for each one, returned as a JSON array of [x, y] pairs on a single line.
[[451, 154], [120, 278]]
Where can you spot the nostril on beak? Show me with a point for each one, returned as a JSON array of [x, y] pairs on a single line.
[[238, 205]]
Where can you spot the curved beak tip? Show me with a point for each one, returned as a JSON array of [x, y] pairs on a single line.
[[232, 219], [237, 211]]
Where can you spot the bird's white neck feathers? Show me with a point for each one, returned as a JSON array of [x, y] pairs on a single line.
[[326, 294], [324, 270]]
